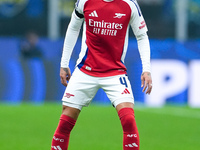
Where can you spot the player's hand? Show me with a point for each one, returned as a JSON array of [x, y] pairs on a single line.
[[146, 82], [65, 75]]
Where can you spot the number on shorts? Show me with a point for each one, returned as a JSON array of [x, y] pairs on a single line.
[[123, 81]]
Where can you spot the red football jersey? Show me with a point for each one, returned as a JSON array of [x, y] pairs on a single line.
[[105, 35]]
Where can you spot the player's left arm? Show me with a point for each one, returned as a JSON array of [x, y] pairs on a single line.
[[144, 50], [139, 28]]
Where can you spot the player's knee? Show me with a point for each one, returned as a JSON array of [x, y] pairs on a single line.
[[71, 112], [64, 108]]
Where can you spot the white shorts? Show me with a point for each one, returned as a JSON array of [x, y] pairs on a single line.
[[82, 88]]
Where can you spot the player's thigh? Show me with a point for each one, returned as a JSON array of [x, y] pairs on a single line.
[[80, 90], [118, 89]]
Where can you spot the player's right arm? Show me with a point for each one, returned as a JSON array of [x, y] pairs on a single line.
[[65, 75], [71, 37]]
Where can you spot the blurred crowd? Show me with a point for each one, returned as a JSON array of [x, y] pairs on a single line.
[[19, 16]]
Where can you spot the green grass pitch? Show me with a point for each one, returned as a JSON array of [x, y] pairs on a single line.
[[29, 127]]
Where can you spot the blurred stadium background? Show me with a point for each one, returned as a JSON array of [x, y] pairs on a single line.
[[40, 25]]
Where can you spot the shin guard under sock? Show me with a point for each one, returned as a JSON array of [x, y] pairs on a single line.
[[61, 136], [130, 131]]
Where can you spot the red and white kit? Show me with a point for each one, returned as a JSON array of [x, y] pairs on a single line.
[[104, 43], [105, 36], [101, 63]]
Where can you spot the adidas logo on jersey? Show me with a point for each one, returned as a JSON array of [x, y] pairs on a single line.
[[93, 14], [126, 91]]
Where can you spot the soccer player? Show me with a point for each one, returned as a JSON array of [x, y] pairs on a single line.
[[101, 64]]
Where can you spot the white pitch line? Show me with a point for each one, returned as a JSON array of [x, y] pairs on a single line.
[[175, 112]]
